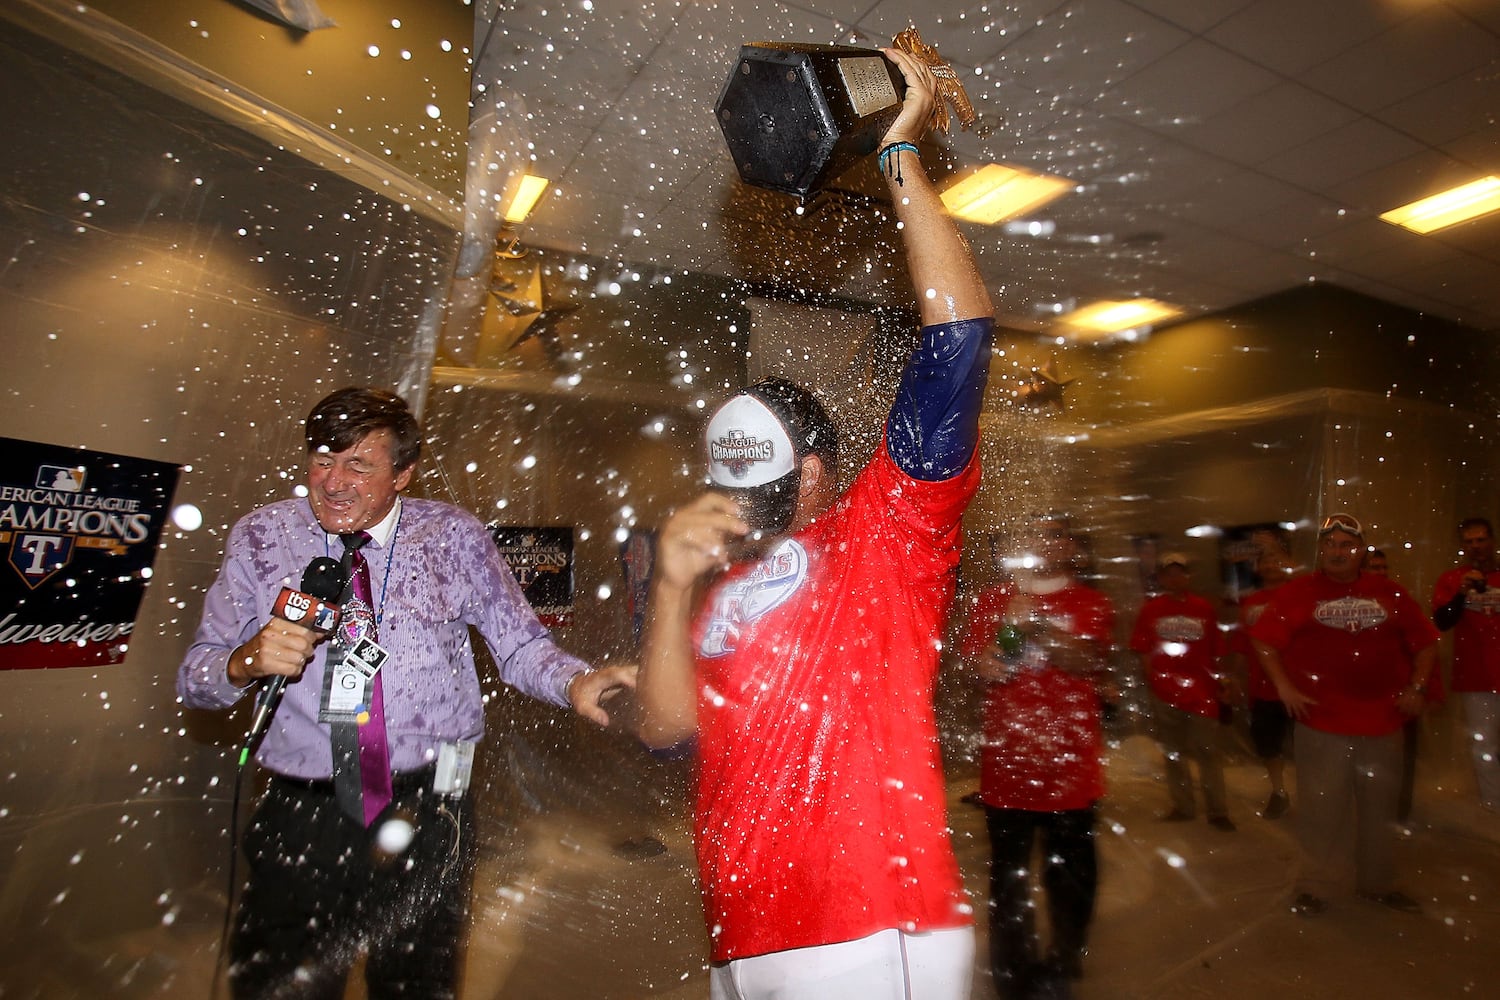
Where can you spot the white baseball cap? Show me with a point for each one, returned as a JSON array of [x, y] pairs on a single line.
[[747, 444]]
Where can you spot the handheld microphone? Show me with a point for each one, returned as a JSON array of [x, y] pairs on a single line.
[[315, 606]]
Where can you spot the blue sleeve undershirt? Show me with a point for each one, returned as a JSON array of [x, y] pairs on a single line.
[[933, 428]]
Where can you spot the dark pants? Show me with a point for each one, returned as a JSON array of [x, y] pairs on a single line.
[[1411, 736], [321, 892], [1070, 878]]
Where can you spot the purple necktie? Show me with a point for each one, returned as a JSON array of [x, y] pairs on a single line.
[[374, 753]]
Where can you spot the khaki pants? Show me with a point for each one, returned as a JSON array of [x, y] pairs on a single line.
[[1482, 718], [1336, 775], [1185, 736]]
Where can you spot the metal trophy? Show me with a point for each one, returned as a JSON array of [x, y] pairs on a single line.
[[796, 116]]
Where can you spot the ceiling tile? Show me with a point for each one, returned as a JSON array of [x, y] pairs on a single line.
[[1233, 196], [1482, 12], [1481, 148], [1447, 112], [1479, 238], [1290, 36], [1078, 52], [1196, 16], [1431, 47], [1424, 173], [1266, 124], [971, 34], [1088, 147], [1188, 85], [1344, 153], [1369, 238], [846, 11], [1289, 222]]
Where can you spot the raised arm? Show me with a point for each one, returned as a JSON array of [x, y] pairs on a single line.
[[934, 423], [943, 272]]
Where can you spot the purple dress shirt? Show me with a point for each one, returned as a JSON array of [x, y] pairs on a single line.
[[439, 574]]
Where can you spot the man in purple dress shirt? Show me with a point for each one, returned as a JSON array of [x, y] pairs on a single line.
[[323, 886]]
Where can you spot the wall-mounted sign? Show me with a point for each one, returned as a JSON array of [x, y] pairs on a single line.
[[542, 560], [79, 531]]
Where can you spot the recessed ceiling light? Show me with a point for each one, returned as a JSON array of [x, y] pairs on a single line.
[[1448, 208], [528, 193], [1106, 317], [993, 193]]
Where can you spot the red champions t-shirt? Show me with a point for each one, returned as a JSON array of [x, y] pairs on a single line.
[[1476, 637], [1179, 637], [1349, 645], [1042, 738], [821, 813]]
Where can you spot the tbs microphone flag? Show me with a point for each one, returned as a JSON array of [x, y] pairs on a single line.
[[313, 607]]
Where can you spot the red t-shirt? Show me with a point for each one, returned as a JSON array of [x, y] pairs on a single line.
[[1349, 645], [1257, 684], [1179, 637], [1476, 637], [1042, 739], [821, 812]]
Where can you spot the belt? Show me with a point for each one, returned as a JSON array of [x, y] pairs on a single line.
[[402, 782]]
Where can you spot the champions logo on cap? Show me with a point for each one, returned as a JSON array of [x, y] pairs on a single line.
[[747, 446], [737, 453]]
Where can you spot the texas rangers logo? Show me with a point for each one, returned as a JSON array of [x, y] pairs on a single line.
[[737, 452], [1179, 628], [1486, 602], [774, 579], [37, 555], [1350, 614], [356, 622]]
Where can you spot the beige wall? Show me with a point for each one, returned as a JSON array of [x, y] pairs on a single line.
[[369, 79]]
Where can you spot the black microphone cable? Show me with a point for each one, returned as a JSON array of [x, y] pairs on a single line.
[[325, 578]]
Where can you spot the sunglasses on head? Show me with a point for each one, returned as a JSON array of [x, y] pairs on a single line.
[[1341, 522]]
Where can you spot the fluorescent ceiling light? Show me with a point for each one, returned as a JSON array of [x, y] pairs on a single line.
[[1112, 317], [1450, 207], [994, 193], [530, 190]]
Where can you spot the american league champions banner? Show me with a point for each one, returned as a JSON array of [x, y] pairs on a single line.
[[542, 560], [79, 531]]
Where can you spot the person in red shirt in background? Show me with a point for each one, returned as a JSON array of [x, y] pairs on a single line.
[[1466, 599], [1350, 654], [1177, 637], [1270, 725], [1040, 646], [1411, 733]]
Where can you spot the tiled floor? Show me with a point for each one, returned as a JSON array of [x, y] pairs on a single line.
[[1184, 910], [563, 911]]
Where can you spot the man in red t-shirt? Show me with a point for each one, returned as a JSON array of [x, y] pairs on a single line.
[[1466, 599], [795, 632], [1177, 637], [1040, 645], [1350, 654]]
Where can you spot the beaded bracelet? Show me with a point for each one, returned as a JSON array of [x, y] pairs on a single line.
[[885, 155]]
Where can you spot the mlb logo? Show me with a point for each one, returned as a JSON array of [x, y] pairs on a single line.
[[60, 477]]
